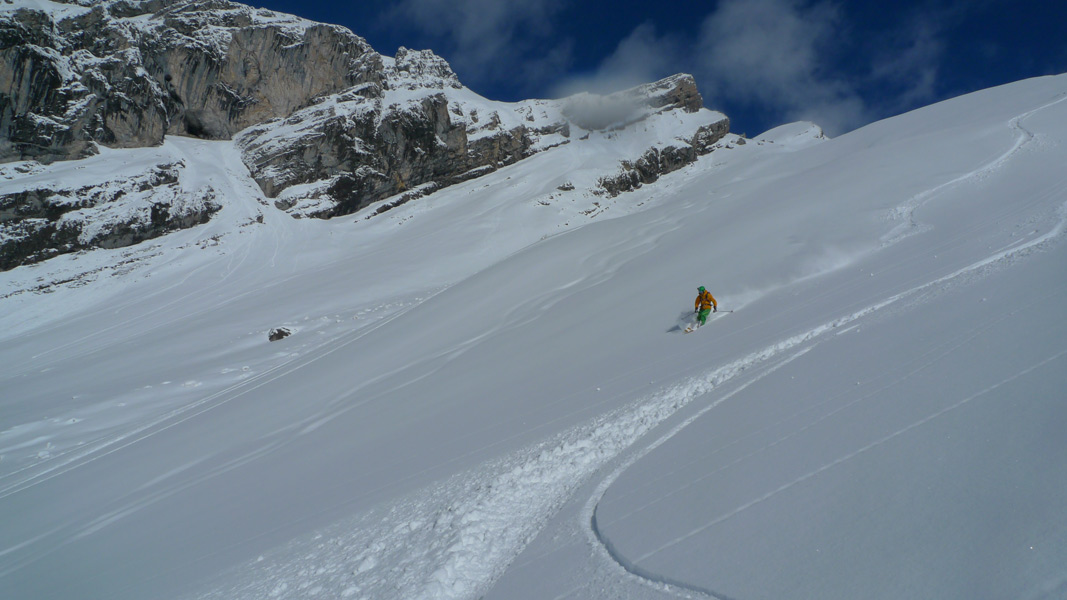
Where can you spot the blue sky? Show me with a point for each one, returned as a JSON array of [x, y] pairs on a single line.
[[839, 63]]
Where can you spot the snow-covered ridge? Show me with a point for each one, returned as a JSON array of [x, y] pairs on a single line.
[[794, 135]]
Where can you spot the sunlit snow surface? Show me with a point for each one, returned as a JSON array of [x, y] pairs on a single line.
[[488, 394]]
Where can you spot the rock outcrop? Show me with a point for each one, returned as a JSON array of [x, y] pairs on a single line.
[[418, 126], [279, 333], [656, 161], [41, 221], [414, 126], [618, 110]]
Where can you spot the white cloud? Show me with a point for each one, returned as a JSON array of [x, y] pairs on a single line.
[[770, 55]]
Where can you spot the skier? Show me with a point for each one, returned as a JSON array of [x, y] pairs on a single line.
[[705, 304]]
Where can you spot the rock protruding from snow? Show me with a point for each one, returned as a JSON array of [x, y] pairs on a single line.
[[417, 69], [279, 333]]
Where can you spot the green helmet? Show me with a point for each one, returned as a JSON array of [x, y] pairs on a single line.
[[700, 289]]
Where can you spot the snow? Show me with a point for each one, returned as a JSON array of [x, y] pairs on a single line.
[[797, 135], [487, 393], [56, 10]]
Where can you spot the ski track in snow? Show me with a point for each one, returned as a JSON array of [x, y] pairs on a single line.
[[456, 538], [849, 456], [906, 211]]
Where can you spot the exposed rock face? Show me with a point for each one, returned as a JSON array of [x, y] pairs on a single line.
[[124, 73], [37, 223], [416, 125], [279, 333], [660, 161]]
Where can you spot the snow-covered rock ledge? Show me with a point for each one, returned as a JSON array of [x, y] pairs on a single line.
[[52, 216]]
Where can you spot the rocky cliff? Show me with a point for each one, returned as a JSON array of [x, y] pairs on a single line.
[[124, 73], [415, 125]]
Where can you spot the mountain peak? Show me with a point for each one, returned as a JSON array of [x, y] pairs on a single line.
[[414, 69]]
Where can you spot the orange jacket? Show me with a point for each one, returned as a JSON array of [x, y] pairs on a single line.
[[705, 301]]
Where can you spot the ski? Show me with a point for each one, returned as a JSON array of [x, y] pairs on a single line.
[[690, 328]]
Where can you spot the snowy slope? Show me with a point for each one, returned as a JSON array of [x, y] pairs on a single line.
[[487, 393]]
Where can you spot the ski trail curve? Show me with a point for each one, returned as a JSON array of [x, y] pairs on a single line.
[[906, 211], [849, 456], [759, 359]]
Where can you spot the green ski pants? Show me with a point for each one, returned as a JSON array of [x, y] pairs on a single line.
[[702, 316]]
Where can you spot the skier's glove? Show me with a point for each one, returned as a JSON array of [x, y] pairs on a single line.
[[716, 309]]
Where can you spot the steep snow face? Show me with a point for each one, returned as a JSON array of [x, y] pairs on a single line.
[[487, 392]]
